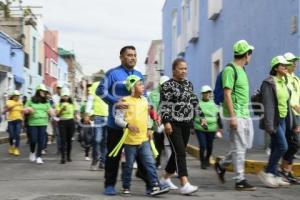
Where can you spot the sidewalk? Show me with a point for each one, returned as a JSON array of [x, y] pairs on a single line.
[[256, 158]]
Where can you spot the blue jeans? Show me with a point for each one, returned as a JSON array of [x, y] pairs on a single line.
[[279, 147], [144, 153], [205, 140], [14, 130], [99, 144], [37, 136]]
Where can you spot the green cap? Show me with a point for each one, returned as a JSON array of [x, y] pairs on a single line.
[[65, 92], [131, 81], [206, 88], [279, 60], [15, 93], [41, 87], [291, 57], [241, 47]]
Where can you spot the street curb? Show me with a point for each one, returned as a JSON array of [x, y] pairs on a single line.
[[4, 140], [251, 166]]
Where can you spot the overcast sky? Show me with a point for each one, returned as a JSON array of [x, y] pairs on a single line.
[[97, 29]]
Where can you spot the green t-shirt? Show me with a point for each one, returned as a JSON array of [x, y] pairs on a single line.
[[282, 96], [40, 116], [240, 95], [69, 111], [210, 110], [294, 86]]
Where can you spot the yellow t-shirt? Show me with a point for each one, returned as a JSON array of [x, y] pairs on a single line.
[[137, 115], [16, 111]]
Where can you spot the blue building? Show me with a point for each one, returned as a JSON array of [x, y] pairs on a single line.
[[11, 69], [204, 31], [62, 71], [11, 64]]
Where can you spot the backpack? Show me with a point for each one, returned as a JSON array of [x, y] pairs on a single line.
[[256, 103], [219, 90]]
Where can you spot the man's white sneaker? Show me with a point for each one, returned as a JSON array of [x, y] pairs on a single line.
[[39, 160], [268, 179], [188, 189], [169, 183], [87, 158], [32, 157], [281, 182]]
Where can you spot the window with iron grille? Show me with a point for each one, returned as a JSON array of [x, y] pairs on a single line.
[[40, 69], [26, 60]]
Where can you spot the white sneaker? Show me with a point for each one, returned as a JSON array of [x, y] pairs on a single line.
[[32, 157], [281, 182], [135, 165], [268, 179], [169, 183], [268, 151], [87, 158], [39, 160], [188, 189]]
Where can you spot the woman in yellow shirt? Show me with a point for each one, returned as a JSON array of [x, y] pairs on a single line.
[[14, 108]]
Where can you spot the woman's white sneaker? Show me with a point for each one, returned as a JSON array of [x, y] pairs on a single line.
[[268, 179], [32, 157], [188, 189], [39, 160], [169, 183], [281, 182]]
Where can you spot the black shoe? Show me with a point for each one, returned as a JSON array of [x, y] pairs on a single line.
[[101, 165], [244, 186], [220, 171], [126, 192], [62, 161], [203, 165], [292, 179], [69, 159], [159, 190], [207, 163]]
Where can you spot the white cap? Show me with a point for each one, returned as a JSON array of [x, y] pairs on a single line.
[[206, 88], [290, 57], [163, 79]]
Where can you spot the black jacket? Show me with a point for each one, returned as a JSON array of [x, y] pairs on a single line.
[[270, 120], [178, 103]]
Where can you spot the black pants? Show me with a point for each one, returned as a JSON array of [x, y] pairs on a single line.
[[293, 146], [66, 130], [86, 151], [112, 163], [159, 144], [205, 140], [178, 141]]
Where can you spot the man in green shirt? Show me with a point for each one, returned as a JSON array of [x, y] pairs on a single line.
[[237, 121]]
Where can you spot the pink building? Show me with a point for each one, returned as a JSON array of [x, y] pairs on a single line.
[[51, 58], [154, 68]]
